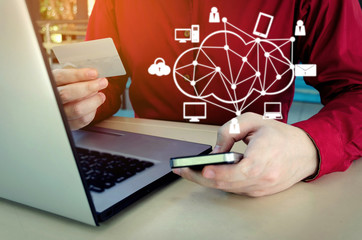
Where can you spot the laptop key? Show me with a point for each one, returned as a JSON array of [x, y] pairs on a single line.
[[103, 170], [95, 189]]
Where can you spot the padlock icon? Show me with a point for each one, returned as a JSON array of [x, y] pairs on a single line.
[[159, 68]]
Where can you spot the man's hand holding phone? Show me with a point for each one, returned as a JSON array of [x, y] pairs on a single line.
[[277, 156]]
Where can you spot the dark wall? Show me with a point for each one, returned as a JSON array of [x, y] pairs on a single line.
[[360, 1]]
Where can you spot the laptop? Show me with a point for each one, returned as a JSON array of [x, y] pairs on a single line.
[[273, 110], [87, 175]]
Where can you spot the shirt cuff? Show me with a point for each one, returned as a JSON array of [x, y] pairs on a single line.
[[328, 143]]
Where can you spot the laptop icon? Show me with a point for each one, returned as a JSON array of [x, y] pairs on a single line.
[[87, 175], [273, 110]]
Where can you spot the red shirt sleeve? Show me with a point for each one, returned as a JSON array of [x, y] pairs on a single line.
[[102, 24], [333, 42]]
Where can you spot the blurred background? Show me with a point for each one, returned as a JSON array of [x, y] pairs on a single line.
[[65, 21], [61, 21]]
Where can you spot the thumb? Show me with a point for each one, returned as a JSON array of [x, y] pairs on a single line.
[[248, 123]]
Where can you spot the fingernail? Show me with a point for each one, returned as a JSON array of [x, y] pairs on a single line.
[[103, 97], [176, 171], [92, 74], [103, 83], [216, 149], [209, 174]]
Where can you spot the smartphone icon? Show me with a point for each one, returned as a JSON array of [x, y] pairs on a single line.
[[263, 25]]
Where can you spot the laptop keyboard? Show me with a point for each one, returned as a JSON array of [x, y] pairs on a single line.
[[103, 170]]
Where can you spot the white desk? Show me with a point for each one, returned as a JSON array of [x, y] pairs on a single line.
[[329, 208]]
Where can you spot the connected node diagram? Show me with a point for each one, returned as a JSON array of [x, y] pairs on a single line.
[[238, 65]]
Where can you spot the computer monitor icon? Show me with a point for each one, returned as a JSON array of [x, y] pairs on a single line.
[[188, 34], [273, 110], [183, 34], [194, 111]]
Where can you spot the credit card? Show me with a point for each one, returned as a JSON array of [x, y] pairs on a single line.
[[100, 54]]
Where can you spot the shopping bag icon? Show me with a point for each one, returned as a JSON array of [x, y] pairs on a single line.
[[305, 70]]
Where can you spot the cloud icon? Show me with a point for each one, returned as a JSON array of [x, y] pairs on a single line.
[[230, 69], [159, 68]]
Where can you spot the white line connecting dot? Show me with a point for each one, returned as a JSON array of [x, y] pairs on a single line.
[[267, 51]]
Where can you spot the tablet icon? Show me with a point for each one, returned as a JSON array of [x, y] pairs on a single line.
[[263, 25]]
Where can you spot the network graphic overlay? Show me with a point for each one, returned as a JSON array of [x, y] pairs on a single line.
[[231, 69]]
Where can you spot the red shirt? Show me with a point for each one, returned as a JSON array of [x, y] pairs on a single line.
[[145, 30]]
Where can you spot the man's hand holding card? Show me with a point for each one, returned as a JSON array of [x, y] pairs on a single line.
[[85, 68]]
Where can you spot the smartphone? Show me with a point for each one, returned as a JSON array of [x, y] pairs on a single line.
[[198, 162]]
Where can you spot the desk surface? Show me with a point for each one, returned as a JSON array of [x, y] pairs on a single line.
[[329, 208]]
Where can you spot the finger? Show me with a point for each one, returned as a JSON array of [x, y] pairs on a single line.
[[198, 178], [194, 176], [225, 177], [77, 91], [224, 141], [242, 172], [67, 76], [248, 123], [245, 187], [262, 180], [84, 107], [225, 173], [82, 122], [233, 177]]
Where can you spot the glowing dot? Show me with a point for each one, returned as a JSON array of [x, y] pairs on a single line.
[[217, 69], [193, 83], [233, 86], [224, 19], [245, 59], [292, 39], [291, 66], [267, 54], [257, 40], [257, 74], [194, 63], [263, 93], [238, 113], [279, 77], [226, 47]]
